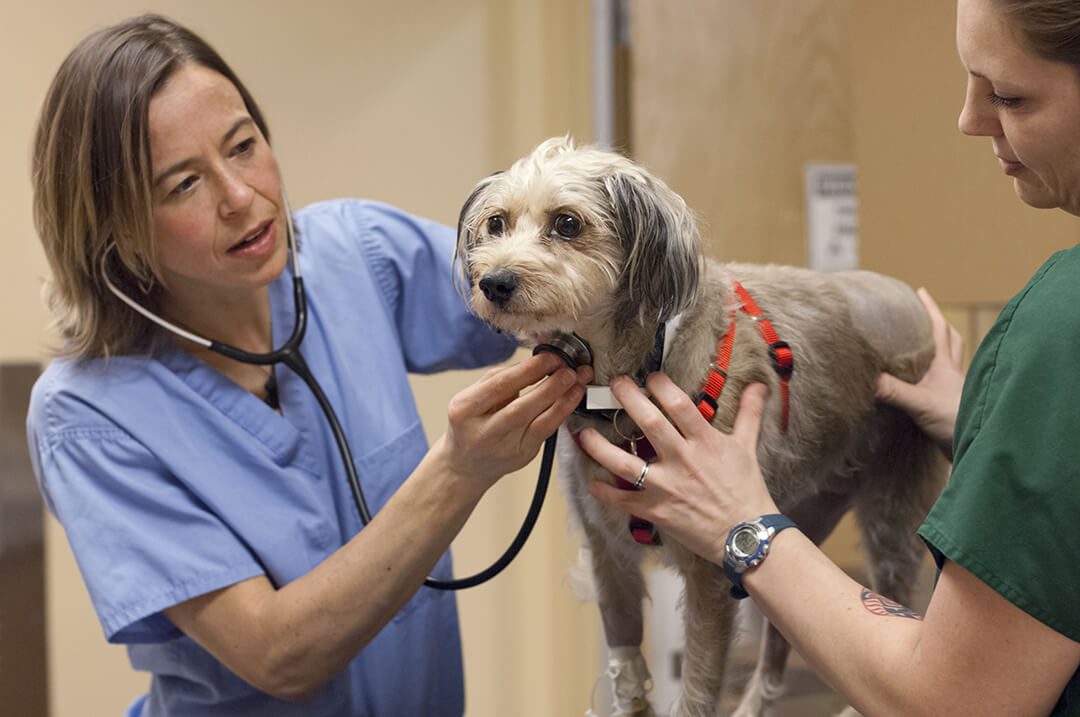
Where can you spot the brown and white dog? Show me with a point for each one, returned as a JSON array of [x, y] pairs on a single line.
[[585, 242]]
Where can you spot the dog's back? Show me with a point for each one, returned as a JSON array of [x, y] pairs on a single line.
[[891, 318], [844, 329]]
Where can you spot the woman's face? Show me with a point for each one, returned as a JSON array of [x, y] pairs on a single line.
[[219, 226], [1029, 107]]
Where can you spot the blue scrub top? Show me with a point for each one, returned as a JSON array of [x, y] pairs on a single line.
[[172, 481]]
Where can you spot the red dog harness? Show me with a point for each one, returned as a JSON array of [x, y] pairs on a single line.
[[780, 353], [783, 361]]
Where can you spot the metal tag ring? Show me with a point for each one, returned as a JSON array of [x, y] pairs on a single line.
[[615, 425]]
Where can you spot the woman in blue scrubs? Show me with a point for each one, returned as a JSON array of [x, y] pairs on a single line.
[[205, 499]]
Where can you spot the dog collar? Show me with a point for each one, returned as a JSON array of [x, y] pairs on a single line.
[[600, 402]]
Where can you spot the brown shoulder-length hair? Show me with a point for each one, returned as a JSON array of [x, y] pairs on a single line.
[[1049, 28], [92, 179]]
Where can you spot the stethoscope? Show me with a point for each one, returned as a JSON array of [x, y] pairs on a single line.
[[289, 355]]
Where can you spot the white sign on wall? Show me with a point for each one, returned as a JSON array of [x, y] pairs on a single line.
[[832, 219]]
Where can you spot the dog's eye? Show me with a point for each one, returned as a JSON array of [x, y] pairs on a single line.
[[567, 226], [496, 225]]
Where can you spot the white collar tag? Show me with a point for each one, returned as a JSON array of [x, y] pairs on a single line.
[[600, 398], [669, 335]]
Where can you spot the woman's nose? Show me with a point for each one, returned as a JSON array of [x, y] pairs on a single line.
[[977, 119], [237, 192]]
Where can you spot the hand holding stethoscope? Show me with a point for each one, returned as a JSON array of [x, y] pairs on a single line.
[[489, 413], [494, 431]]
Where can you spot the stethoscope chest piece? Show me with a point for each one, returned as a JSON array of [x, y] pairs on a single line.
[[571, 348]]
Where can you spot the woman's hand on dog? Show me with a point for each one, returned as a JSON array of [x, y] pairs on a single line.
[[703, 482], [498, 424], [935, 399]]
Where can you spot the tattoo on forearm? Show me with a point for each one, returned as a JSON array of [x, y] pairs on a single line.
[[883, 606]]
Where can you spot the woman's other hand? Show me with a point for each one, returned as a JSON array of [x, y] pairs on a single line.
[[498, 424], [703, 481], [933, 401]]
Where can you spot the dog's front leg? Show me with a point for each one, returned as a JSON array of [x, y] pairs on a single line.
[[617, 583], [620, 590], [766, 685], [709, 612]]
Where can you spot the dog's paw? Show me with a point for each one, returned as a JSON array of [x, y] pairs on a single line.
[[759, 696], [752, 708], [635, 707], [849, 712], [642, 709], [630, 682]]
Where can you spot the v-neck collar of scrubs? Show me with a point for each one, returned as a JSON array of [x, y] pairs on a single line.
[[274, 430]]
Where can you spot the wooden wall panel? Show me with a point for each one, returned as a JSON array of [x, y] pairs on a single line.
[[730, 99], [22, 556]]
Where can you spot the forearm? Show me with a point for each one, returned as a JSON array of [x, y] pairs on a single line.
[[973, 653], [291, 641], [871, 659]]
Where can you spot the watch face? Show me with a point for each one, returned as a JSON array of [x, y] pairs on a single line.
[[745, 541]]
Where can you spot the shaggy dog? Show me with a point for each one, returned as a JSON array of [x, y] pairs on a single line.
[[583, 243]]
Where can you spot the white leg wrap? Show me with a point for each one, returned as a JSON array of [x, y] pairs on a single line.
[[630, 681]]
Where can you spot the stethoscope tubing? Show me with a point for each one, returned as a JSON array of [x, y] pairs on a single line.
[[289, 355]]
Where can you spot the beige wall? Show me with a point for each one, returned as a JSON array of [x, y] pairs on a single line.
[[409, 103], [934, 207]]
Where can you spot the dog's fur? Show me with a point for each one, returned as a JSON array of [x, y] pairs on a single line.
[[636, 263]]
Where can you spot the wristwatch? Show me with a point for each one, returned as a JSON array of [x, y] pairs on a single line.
[[748, 544]]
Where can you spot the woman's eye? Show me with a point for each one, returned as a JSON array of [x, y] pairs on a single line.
[[1000, 101], [567, 226], [244, 147], [184, 186], [496, 225]]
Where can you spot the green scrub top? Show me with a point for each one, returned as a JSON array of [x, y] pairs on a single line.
[[1010, 514]]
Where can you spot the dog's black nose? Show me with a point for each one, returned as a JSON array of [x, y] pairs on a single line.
[[498, 286]]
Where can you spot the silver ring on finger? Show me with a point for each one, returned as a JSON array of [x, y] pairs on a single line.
[[639, 484]]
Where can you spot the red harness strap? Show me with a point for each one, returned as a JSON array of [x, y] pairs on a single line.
[[643, 531], [782, 357], [783, 360]]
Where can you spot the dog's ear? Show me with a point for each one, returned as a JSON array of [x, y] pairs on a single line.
[[660, 238], [466, 224], [466, 230]]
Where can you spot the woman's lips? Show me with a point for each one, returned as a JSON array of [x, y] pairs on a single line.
[[1010, 167], [259, 244]]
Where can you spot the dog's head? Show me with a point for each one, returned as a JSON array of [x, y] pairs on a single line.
[[570, 236]]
